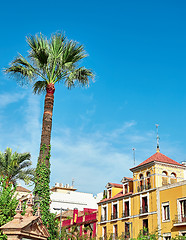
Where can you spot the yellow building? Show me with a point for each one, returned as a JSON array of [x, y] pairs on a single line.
[[154, 199]]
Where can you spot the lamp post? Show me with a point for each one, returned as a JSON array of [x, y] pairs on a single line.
[[61, 209]]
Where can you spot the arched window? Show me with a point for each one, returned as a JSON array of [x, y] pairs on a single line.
[[164, 173], [164, 178], [141, 182], [148, 185], [173, 177], [141, 176]]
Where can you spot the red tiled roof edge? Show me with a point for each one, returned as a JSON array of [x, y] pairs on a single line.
[[120, 194], [116, 185], [22, 189], [158, 157]]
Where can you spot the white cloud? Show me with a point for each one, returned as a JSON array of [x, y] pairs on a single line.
[[8, 98]]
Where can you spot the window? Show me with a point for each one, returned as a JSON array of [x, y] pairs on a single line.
[[109, 193], [104, 232], [183, 210], [167, 236], [183, 233], [148, 183], [145, 226], [173, 177], [164, 178], [114, 211], [165, 212], [115, 231], [141, 183], [104, 213], [126, 210], [127, 230], [144, 205], [126, 188]]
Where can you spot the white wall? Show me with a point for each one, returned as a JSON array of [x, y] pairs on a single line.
[[73, 199]]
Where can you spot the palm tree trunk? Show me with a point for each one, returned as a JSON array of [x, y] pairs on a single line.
[[44, 155]]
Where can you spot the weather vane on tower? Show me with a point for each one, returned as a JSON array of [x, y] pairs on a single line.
[[158, 138]]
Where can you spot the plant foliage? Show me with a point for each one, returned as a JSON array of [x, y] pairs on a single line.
[[16, 166], [8, 203]]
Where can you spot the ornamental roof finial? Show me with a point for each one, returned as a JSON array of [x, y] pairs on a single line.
[[158, 138]]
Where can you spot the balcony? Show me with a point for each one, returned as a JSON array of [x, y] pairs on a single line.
[[125, 214], [103, 218], [114, 216], [147, 186], [140, 188], [180, 220], [144, 210], [164, 181]]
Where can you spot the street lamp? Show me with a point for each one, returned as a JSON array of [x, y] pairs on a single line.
[[61, 209]]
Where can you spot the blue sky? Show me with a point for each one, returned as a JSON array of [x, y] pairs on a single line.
[[137, 50]]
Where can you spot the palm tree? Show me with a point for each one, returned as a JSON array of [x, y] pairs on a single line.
[[16, 166], [49, 62]]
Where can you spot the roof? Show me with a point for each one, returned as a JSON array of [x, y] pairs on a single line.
[[158, 157], [69, 213], [120, 194], [115, 185], [128, 178], [22, 189]]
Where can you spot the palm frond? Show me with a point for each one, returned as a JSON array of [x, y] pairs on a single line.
[[39, 87], [80, 76], [73, 52], [14, 164], [21, 69], [39, 50]]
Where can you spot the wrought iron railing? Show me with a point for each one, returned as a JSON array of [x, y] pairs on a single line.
[[140, 188], [144, 209], [147, 186], [181, 218], [125, 214], [103, 218], [114, 215]]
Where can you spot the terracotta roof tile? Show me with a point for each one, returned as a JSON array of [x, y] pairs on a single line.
[[116, 185], [158, 157], [131, 179], [120, 194], [22, 189]]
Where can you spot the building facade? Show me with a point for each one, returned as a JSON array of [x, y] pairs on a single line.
[[154, 200], [67, 197], [82, 223]]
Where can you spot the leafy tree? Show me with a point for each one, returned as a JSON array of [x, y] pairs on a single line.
[[8, 203], [49, 62], [16, 166]]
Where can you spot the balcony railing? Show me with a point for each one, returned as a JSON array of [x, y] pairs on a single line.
[[147, 186], [103, 218], [181, 218], [125, 214], [144, 210], [114, 215], [164, 181], [140, 188]]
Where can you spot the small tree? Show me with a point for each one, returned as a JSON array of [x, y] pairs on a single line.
[[8, 203], [144, 234]]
